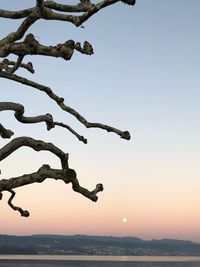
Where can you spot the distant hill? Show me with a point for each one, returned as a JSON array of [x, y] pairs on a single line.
[[95, 245]]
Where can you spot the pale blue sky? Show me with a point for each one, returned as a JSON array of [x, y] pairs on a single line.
[[143, 77]]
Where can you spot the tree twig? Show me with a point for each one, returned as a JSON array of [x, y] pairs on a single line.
[[17, 64], [80, 137], [24, 213], [67, 176], [4, 65]]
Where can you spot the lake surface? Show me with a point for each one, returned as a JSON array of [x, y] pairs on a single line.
[[96, 261]]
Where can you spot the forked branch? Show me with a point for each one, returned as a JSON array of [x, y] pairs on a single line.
[[19, 114], [45, 10], [21, 44], [63, 106], [65, 173], [12, 66], [30, 46], [47, 118], [37, 145]]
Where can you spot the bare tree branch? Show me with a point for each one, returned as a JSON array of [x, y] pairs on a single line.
[[13, 45], [80, 137], [14, 36], [4, 65], [85, 192], [44, 10], [44, 172], [17, 64], [66, 175], [23, 213], [19, 111], [40, 3], [47, 118], [37, 145], [81, 7], [30, 46], [84, 6], [5, 133], [15, 14], [60, 102]]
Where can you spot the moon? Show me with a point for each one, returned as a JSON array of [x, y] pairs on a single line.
[[124, 220]]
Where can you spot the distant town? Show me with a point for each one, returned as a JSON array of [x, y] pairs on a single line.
[[95, 245]]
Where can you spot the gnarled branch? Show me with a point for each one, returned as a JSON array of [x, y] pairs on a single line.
[[16, 14], [30, 46], [14, 36], [47, 118], [23, 213], [37, 145], [45, 10], [13, 45], [4, 65], [19, 111], [66, 175], [44, 172], [5, 133], [60, 102]]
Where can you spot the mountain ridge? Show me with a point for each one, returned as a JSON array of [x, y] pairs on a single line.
[[95, 245]]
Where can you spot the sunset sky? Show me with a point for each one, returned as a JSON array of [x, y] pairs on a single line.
[[143, 77]]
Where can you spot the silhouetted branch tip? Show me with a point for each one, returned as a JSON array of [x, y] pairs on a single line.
[[24, 213], [5, 133], [126, 135], [129, 2], [83, 139], [99, 187]]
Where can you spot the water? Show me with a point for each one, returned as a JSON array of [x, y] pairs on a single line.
[[96, 261]]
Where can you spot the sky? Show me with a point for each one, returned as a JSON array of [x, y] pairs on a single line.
[[143, 77]]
